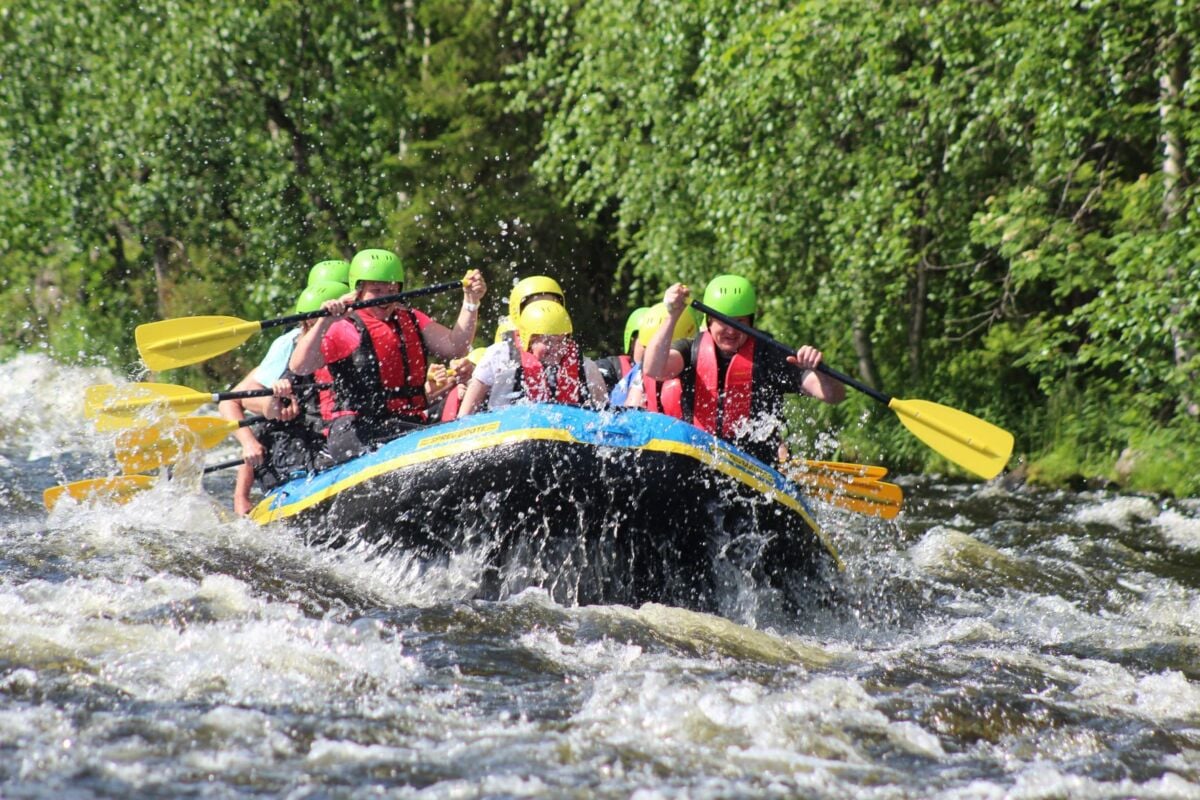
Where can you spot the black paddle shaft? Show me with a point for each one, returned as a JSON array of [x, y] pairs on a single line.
[[223, 465], [219, 396], [236, 462], [378, 301], [768, 339]]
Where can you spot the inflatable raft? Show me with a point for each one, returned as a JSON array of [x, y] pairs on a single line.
[[612, 507]]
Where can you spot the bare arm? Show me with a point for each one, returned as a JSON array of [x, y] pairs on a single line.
[[817, 384], [455, 342], [476, 391], [660, 362], [252, 449], [597, 388], [306, 356]]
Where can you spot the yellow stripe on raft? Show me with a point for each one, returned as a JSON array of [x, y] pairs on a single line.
[[263, 514]]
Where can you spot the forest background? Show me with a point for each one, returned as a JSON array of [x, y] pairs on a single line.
[[992, 205]]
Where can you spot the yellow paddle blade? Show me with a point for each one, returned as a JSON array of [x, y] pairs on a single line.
[[867, 505], [972, 443], [165, 443], [842, 467], [172, 343], [117, 407], [118, 490], [149, 448], [209, 431], [862, 495]]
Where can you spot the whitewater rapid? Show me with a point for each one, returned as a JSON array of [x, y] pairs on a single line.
[[995, 642]]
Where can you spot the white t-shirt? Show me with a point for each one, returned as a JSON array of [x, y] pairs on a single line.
[[497, 371], [497, 359]]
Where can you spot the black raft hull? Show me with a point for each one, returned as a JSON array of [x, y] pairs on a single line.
[[596, 508]]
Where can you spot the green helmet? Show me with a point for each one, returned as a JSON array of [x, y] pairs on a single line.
[[376, 265], [317, 293], [335, 271], [632, 326], [732, 295]]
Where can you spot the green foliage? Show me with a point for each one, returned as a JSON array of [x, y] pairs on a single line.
[[1092, 439], [967, 197], [989, 205], [165, 158]]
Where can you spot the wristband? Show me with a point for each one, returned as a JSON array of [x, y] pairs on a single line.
[[469, 306]]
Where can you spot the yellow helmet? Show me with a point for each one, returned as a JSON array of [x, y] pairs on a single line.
[[542, 317], [503, 327], [655, 316], [528, 287]]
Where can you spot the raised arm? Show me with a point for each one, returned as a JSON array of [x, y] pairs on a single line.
[[306, 358], [455, 342], [660, 362]]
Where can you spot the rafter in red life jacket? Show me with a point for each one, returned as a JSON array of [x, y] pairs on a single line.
[[568, 388], [384, 376], [727, 402]]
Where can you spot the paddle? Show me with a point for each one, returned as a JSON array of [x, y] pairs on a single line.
[[116, 407], [157, 445], [120, 489], [863, 495], [975, 445], [839, 467], [172, 343]]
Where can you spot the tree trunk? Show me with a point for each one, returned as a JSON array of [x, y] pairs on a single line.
[[866, 355], [278, 116], [162, 260], [1175, 70], [120, 267], [916, 323]]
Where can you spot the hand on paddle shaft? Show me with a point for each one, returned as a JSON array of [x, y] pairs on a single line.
[[975, 445], [172, 343], [116, 407]]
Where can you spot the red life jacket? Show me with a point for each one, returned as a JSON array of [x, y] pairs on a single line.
[[568, 388], [453, 401], [732, 406], [665, 397], [384, 376]]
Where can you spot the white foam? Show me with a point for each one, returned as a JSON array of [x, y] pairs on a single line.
[[174, 640], [1181, 531], [1158, 697], [43, 405], [330, 753], [1118, 512], [807, 726]]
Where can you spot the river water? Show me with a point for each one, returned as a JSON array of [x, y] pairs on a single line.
[[994, 642]]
